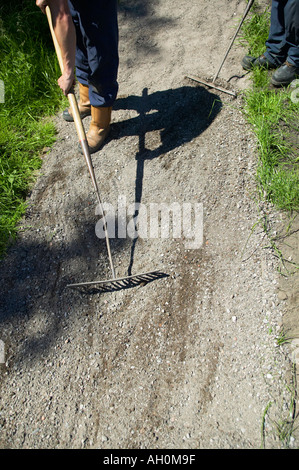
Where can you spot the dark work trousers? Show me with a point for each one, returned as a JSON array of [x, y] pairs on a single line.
[[283, 40], [97, 48]]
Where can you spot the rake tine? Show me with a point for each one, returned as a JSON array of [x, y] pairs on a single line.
[[211, 85], [128, 282]]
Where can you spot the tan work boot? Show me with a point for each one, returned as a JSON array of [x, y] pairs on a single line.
[[83, 105], [99, 127]]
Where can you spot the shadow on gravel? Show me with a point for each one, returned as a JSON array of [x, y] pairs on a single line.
[[35, 305], [177, 115], [143, 24]]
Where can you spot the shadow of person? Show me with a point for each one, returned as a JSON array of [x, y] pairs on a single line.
[[179, 115]]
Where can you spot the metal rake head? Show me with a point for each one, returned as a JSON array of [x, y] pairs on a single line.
[[111, 285]]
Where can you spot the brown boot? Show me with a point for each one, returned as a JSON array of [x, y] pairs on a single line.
[[84, 105], [99, 127]]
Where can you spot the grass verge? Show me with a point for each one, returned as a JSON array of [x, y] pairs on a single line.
[[28, 75], [273, 114]]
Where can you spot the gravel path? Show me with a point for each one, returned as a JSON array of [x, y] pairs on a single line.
[[186, 361]]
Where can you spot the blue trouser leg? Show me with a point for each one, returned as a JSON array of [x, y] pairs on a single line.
[[292, 31], [283, 43], [97, 48]]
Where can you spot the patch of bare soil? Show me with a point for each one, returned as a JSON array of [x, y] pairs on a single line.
[[186, 361]]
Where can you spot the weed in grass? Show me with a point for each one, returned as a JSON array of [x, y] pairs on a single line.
[[282, 338], [263, 426], [285, 427]]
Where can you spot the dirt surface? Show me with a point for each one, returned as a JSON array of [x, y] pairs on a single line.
[[186, 361]]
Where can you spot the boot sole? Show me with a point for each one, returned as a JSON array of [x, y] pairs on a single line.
[[67, 117], [92, 149], [275, 83], [283, 83], [98, 147], [249, 66]]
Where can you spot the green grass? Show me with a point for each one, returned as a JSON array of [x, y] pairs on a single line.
[[29, 71], [274, 119]]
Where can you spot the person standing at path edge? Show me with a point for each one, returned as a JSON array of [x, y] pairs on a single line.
[[87, 33], [282, 46]]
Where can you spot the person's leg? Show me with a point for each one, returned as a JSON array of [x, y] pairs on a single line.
[[97, 61], [292, 31], [82, 69], [99, 29], [97, 54], [276, 44], [289, 71], [276, 47]]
